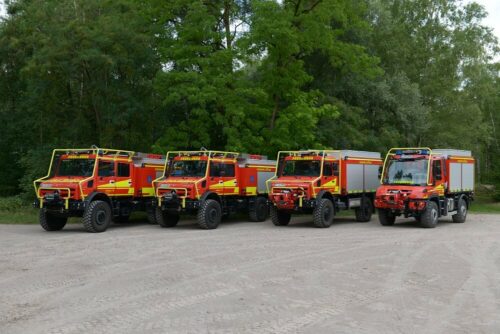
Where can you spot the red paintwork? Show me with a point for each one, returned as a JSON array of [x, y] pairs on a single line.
[[193, 188], [396, 197], [140, 177], [285, 190]]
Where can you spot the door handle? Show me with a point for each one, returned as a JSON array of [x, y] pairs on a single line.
[[112, 181], [221, 182]]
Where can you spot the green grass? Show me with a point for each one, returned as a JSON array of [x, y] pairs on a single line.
[[483, 203]]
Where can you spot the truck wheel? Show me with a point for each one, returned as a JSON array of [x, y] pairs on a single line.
[[323, 213], [365, 211], [429, 217], [280, 217], [97, 216], [166, 219], [461, 214], [209, 214], [259, 210], [49, 222], [386, 217]]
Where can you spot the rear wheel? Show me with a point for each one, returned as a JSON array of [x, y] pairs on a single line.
[[461, 214], [166, 218], [50, 222], [97, 216], [386, 217], [365, 211], [209, 214], [323, 213], [280, 217], [259, 210], [429, 217]]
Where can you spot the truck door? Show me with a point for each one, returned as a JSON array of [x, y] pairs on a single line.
[[123, 181], [329, 179], [222, 178], [106, 177], [438, 176], [230, 180]]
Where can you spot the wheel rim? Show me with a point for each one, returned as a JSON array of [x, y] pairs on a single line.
[[463, 210], [434, 215], [100, 217], [326, 214], [212, 215]]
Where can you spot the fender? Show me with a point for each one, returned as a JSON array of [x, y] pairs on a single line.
[[324, 194], [210, 195], [97, 196]]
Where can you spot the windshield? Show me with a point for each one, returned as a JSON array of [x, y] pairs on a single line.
[[193, 168], [411, 171], [75, 167], [301, 168]]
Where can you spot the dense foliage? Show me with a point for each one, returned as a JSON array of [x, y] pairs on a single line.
[[245, 75]]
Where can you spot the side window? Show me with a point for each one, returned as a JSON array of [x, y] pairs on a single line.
[[327, 169], [123, 169], [106, 168], [229, 169], [438, 173], [221, 169], [335, 168], [214, 169]]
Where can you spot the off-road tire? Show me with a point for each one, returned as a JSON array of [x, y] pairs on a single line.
[[97, 217], [280, 217], [429, 217], [365, 211], [386, 217], [165, 218], [50, 222], [259, 210], [323, 213], [209, 214], [461, 214]]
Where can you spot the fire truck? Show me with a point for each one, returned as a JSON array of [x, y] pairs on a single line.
[[322, 183], [212, 184], [425, 184], [97, 184]]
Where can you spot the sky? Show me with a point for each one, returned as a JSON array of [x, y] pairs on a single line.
[[491, 6]]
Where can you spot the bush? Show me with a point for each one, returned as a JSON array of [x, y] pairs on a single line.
[[12, 203]]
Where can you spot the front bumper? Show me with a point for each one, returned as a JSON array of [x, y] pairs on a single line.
[[175, 203], [406, 205], [59, 205]]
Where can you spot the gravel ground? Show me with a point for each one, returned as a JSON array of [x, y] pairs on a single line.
[[253, 278]]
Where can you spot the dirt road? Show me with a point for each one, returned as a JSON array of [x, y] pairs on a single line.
[[253, 278]]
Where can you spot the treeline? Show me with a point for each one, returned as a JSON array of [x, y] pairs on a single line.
[[245, 75]]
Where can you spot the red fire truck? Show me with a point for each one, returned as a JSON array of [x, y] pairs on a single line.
[[97, 184], [323, 182], [212, 184], [425, 184]]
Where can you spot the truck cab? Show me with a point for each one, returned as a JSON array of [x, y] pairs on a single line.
[[425, 184]]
